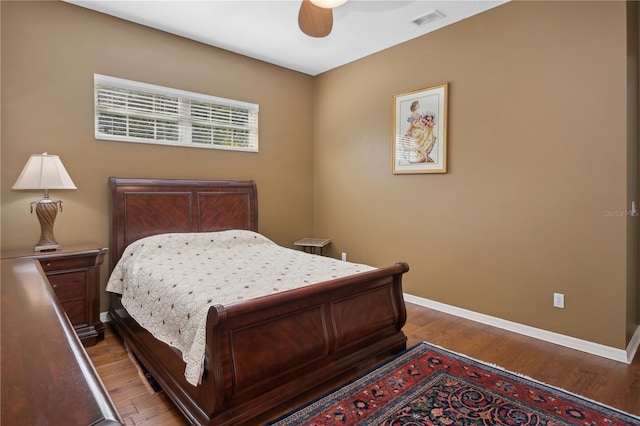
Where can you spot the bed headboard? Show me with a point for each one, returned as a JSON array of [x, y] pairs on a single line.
[[144, 207]]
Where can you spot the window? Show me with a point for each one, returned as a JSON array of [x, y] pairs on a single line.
[[138, 112]]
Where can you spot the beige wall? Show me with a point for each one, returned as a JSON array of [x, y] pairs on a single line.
[[540, 132], [537, 150], [50, 51]]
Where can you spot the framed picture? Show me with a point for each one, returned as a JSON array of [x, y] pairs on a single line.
[[420, 131]]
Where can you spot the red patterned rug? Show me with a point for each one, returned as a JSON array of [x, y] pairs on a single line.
[[428, 385]]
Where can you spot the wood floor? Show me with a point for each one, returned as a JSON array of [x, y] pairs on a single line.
[[609, 382]]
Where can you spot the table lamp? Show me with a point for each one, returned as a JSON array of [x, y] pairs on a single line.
[[44, 171]]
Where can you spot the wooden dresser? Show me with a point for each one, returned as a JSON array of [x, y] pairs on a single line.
[[46, 375], [74, 274]]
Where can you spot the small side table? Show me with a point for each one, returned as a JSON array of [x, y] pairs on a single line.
[[313, 245]]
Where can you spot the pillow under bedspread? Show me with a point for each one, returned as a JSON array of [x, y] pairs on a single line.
[[169, 281]]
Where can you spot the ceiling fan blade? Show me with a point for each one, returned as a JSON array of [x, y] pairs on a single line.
[[315, 21]]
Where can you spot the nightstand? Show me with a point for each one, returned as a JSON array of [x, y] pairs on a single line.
[[313, 245], [74, 275]]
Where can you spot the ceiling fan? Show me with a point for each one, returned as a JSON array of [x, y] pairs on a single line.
[[315, 17]]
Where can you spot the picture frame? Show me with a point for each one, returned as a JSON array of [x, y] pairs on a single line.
[[420, 131]]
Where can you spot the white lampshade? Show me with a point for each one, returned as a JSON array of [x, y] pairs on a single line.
[[44, 171], [328, 4]]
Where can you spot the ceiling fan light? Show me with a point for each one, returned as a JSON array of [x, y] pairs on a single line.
[[328, 4]]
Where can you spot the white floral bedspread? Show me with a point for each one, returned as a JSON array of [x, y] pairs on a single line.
[[169, 281]]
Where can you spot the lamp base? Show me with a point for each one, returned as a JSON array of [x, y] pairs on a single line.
[[46, 210], [48, 247]]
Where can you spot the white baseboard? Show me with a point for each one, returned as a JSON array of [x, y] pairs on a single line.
[[615, 354], [537, 333]]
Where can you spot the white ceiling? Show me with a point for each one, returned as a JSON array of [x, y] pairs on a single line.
[[268, 29]]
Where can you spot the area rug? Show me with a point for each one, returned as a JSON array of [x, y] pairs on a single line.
[[429, 385]]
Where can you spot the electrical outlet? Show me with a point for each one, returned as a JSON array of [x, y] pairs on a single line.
[[558, 300], [344, 256]]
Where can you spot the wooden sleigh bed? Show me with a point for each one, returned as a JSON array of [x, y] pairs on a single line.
[[260, 352]]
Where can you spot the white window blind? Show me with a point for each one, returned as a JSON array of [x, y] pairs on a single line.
[[131, 111]]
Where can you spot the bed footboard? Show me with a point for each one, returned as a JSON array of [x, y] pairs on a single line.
[[262, 352]]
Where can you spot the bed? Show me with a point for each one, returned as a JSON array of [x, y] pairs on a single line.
[[258, 352]]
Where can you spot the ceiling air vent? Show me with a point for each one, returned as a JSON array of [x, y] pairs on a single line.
[[428, 17]]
